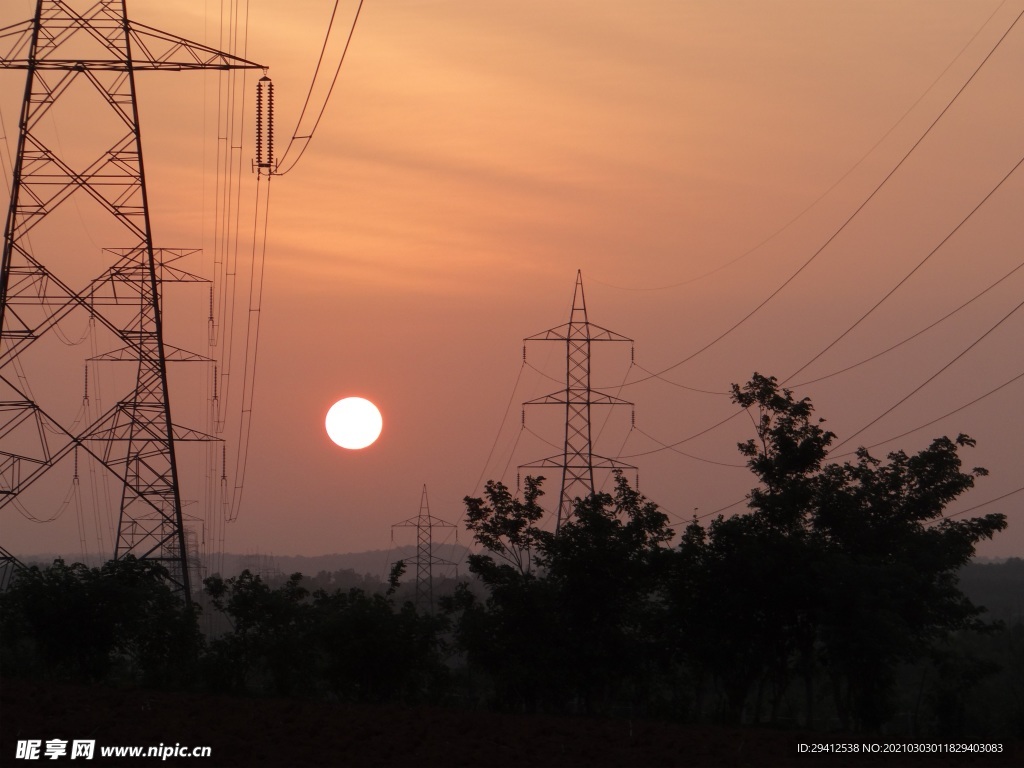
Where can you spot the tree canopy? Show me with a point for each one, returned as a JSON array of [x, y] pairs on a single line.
[[812, 606], [836, 576]]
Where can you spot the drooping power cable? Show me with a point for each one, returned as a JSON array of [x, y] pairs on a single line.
[[284, 166]]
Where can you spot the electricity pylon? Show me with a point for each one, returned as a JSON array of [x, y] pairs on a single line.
[[425, 523], [578, 461], [81, 60]]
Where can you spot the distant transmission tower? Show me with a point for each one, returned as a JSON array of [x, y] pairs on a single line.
[[81, 60], [425, 523], [262, 565], [577, 461], [193, 559]]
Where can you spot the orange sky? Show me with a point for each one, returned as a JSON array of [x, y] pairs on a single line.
[[475, 155]]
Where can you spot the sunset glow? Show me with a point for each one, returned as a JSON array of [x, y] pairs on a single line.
[[821, 192]]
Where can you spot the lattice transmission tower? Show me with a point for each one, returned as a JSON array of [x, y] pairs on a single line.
[[577, 461], [425, 524], [81, 60]]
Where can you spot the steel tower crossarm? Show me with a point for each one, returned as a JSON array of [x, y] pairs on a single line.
[[111, 33]]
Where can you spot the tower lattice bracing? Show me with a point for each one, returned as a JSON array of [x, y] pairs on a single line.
[[79, 253], [577, 461], [9, 568], [425, 523]]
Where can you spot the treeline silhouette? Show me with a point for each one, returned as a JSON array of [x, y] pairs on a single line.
[[832, 603]]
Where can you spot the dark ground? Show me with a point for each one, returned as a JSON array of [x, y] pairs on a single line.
[[276, 732]]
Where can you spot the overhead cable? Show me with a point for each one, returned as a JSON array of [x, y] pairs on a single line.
[[284, 166], [850, 218], [824, 194], [906, 277], [937, 419], [915, 335], [979, 506], [501, 425], [934, 376], [673, 448]]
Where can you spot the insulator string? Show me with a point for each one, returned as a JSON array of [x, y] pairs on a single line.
[[265, 126]]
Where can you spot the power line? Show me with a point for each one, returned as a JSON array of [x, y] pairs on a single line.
[[934, 376], [541, 438], [851, 217], [915, 335], [824, 194], [946, 239], [673, 448], [977, 207], [547, 376], [252, 339], [938, 419], [694, 436], [983, 504], [501, 426], [651, 375], [306, 138], [906, 277], [721, 509]]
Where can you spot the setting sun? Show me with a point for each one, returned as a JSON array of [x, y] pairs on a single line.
[[353, 423]]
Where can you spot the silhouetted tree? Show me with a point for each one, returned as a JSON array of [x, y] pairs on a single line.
[[269, 642], [605, 570], [892, 569], [850, 568], [513, 636], [346, 644], [375, 653], [569, 619], [507, 528], [121, 621], [741, 601]]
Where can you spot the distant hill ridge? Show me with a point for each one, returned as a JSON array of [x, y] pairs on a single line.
[[376, 562]]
